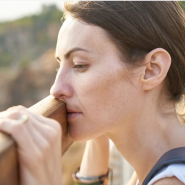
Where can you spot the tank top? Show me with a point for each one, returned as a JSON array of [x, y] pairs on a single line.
[[173, 170]]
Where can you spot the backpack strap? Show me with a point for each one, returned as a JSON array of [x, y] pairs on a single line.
[[176, 155]]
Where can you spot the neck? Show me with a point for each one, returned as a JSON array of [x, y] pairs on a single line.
[[143, 140]]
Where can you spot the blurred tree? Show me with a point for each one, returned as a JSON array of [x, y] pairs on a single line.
[[182, 4], [29, 36]]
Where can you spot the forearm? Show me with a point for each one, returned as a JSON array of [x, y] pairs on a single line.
[[96, 157], [133, 179]]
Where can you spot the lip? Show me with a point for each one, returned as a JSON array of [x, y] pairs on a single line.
[[71, 114]]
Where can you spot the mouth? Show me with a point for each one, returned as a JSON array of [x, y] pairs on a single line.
[[72, 114]]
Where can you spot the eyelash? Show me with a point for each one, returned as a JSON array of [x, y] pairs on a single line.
[[77, 68], [80, 68]]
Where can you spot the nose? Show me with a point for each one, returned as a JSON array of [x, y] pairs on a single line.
[[61, 88]]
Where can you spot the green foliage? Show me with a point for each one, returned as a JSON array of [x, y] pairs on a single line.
[[28, 37], [5, 60], [182, 4], [24, 62], [25, 39]]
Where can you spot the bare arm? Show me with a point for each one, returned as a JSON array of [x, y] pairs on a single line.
[[96, 157], [133, 179]]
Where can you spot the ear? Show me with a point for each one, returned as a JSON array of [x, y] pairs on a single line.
[[156, 66]]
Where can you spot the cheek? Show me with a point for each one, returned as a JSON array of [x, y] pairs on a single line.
[[105, 98], [106, 105]]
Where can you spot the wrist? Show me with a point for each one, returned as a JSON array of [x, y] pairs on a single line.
[[91, 180], [96, 157]]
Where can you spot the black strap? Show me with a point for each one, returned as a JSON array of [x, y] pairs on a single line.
[[176, 155]]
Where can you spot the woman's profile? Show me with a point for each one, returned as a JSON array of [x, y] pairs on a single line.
[[121, 75]]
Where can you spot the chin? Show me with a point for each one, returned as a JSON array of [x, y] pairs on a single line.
[[81, 135], [77, 135]]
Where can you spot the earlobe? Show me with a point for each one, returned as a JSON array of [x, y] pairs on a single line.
[[157, 64]]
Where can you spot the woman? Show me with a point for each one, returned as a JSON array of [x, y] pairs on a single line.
[[121, 74]]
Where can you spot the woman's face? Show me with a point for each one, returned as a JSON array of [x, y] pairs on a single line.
[[92, 80]]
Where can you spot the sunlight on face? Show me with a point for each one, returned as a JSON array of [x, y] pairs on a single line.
[[91, 80]]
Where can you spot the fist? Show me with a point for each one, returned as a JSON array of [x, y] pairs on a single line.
[[39, 145]]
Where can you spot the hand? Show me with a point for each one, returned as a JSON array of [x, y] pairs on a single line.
[[39, 146]]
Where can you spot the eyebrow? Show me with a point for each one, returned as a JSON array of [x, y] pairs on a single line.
[[67, 55]]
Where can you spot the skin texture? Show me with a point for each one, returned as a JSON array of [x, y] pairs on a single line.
[[39, 142], [103, 95], [101, 90], [95, 158], [130, 105]]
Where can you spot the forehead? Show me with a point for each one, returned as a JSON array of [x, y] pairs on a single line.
[[77, 33]]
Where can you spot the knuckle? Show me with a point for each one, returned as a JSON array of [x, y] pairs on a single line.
[[55, 129], [3, 121], [53, 136], [38, 157], [56, 126], [14, 114], [17, 129], [20, 107], [46, 147], [17, 108], [11, 108]]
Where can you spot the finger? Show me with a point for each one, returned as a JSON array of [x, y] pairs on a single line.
[[29, 141], [41, 118], [38, 116], [16, 111], [51, 126], [47, 130], [23, 140], [51, 135], [50, 147], [37, 137], [27, 135], [45, 148], [3, 114], [49, 151]]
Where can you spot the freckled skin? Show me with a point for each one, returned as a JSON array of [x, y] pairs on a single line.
[[102, 92]]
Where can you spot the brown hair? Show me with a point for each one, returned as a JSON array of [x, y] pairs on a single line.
[[139, 27]]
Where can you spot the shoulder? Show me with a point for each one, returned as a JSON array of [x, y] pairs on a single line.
[[168, 181]]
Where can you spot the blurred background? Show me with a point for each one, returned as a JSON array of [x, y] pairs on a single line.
[[28, 35]]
